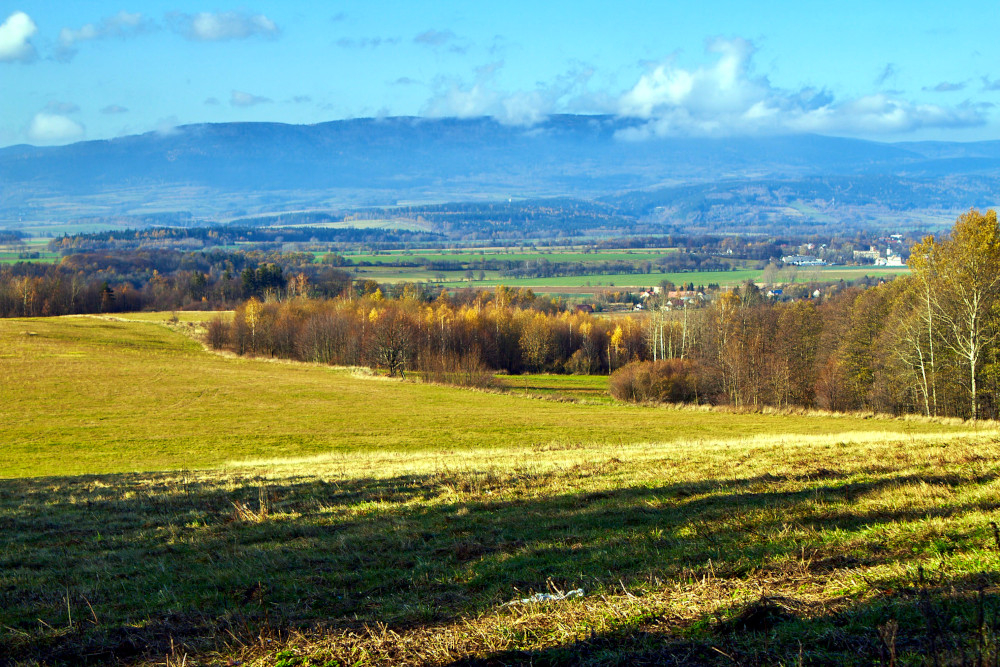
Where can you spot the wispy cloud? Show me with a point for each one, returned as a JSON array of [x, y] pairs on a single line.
[[167, 126], [989, 86], [113, 109], [52, 128], [888, 72], [366, 42], [15, 34], [121, 25], [945, 87], [222, 26], [483, 97], [238, 98], [301, 99], [439, 38], [434, 37]]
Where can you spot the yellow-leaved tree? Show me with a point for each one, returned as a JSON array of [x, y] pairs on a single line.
[[962, 278]]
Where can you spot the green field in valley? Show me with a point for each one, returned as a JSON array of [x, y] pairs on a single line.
[[10, 254], [160, 503], [594, 283], [509, 255]]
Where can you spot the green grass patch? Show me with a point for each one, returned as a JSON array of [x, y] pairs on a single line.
[[309, 515], [511, 255], [765, 550], [547, 385], [85, 395]]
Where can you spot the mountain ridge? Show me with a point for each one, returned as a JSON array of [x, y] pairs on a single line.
[[215, 169]]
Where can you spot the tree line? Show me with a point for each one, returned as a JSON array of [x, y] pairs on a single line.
[[101, 282], [504, 330], [922, 343]]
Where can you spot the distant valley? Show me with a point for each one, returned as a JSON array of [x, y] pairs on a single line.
[[407, 168]]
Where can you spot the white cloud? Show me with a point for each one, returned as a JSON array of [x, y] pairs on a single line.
[[527, 107], [51, 128], [222, 26], [121, 25], [238, 98], [724, 87], [726, 98], [167, 126], [15, 32]]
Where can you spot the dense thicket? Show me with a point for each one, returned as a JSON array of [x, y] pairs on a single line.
[[507, 330]]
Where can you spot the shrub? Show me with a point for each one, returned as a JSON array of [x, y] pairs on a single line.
[[217, 334], [672, 381]]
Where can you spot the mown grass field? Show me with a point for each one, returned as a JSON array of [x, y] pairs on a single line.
[[161, 504]]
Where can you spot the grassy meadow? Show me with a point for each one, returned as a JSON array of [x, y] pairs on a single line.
[[160, 504], [10, 254], [558, 254], [592, 283]]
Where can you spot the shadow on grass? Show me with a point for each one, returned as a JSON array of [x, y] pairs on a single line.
[[953, 623], [117, 566]]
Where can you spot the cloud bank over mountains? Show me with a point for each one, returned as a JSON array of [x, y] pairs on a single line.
[[726, 98], [725, 95], [722, 98]]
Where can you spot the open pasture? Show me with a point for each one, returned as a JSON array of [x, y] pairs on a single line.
[[559, 254], [160, 500], [84, 395], [36, 250]]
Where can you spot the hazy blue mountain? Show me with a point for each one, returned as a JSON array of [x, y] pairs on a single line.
[[219, 170]]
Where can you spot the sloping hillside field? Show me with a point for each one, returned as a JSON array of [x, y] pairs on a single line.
[[160, 504]]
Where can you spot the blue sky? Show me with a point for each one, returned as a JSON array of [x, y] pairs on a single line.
[[891, 71]]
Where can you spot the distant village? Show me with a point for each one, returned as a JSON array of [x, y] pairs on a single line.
[[874, 255], [887, 253]]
